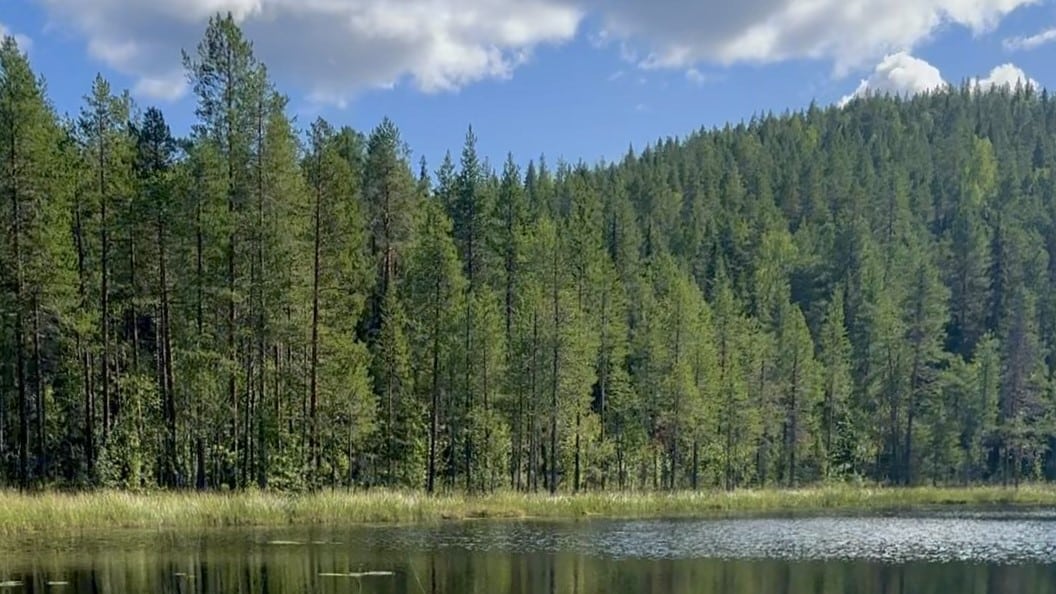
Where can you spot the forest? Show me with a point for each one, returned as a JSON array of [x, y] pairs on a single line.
[[857, 294]]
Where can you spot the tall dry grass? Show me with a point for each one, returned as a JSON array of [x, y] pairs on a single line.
[[25, 514]]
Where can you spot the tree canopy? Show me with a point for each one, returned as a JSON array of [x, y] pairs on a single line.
[[860, 292]]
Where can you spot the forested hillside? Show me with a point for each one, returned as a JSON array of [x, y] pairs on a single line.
[[856, 293]]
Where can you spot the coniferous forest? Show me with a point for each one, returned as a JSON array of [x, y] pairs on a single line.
[[857, 293]]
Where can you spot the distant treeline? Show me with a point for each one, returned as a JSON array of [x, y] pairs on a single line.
[[864, 292]]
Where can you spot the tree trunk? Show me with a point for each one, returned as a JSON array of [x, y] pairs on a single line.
[[485, 478], [577, 455], [232, 239], [232, 382], [165, 356], [82, 349], [133, 290], [434, 390], [467, 430], [511, 266], [554, 380], [20, 327], [104, 305], [911, 409], [829, 414], [696, 465], [23, 406], [260, 363], [313, 398], [603, 381], [533, 446], [793, 423], [199, 444], [38, 383]]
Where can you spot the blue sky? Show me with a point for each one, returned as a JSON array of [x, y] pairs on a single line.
[[569, 78]]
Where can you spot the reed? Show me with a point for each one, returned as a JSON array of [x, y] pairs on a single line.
[[27, 514]]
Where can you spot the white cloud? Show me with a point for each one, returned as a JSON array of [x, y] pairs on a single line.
[[696, 76], [899, 74], [850, 33], [905, 75], [23, 41], [1005, 75], [167, 87], [1031, 42], [330, 48]]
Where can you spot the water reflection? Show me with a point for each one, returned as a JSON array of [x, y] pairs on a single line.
[[533, 558]]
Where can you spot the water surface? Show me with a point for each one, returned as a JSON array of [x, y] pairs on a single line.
[[941, 553]]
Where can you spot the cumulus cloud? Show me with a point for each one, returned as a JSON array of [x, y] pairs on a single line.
[[899, 74], [905, 75], [166, 87], [697, 77], [1031, 42], [331, 48], [850, 33], [334, 48], [1005, 75], [24, 42]]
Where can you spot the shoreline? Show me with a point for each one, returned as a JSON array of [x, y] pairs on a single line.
[[40, 513]]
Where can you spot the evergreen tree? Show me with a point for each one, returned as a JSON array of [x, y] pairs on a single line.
[[842, 293], [1023, 384], [834, 352], [798, 388], [339, 381], [229, 82], [925, 316], [389, 194], [434, 289], [36, 256]]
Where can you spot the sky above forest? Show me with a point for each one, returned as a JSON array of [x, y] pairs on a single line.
[[569, 78]]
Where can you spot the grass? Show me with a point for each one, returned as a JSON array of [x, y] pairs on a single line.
[[25, 515]]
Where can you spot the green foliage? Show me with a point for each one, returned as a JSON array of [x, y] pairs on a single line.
[[853, 293]]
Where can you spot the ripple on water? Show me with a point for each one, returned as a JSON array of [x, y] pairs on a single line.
[[982, 537], [887, 539]]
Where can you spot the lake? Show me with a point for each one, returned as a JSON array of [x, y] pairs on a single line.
[[941, 553]]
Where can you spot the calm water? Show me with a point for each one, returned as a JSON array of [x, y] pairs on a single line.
[[970, 553]]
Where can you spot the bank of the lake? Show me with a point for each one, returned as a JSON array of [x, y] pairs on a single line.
[[25, 514]]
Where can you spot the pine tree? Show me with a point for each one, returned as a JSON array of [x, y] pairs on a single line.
[[36, 257], [834, 352], [279, 218], [155, 158], [736, 416], [925, 316], [854, 292], [885, 386], [434, 289], [1023, 383], [341, 401], [969, 256], [400, 424], [978, 412], [107, 147], [389, 195], [229, 82], [798, 386]]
